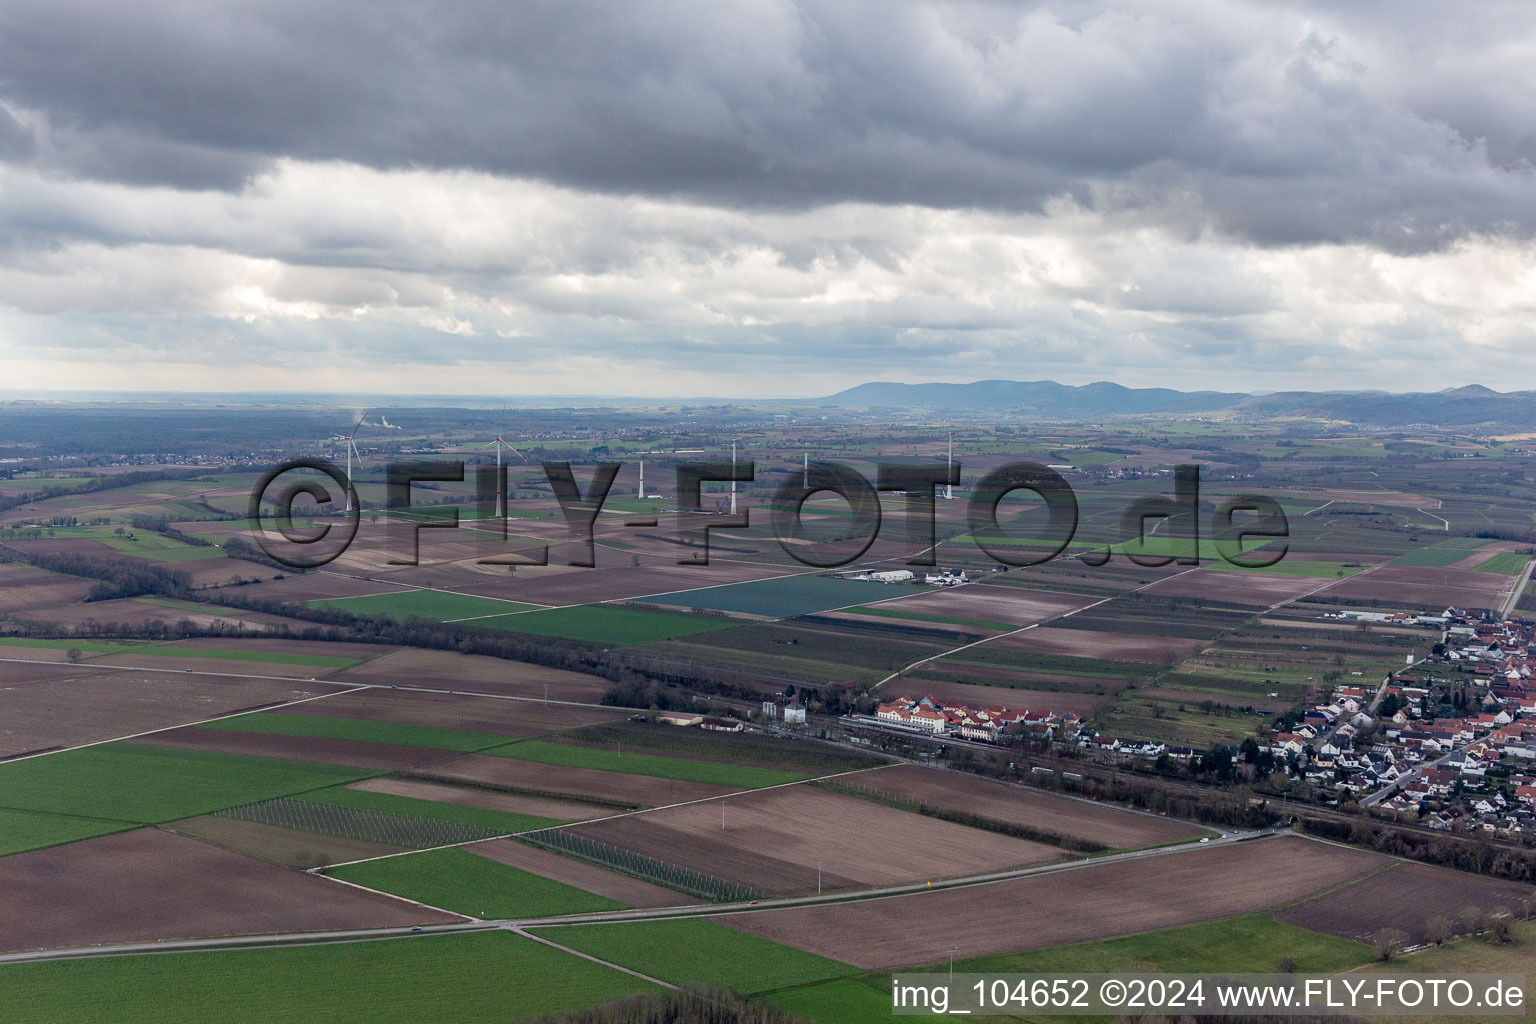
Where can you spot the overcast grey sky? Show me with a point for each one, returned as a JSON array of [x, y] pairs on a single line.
[[762, 198]]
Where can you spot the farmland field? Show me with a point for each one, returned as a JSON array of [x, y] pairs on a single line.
[[46, 705], [570, 871], [476, 674], [1024, 806], [431, 810], [125, 782], [1507, 563], [783, 597], [460, 881], [150, 884], [568, 755], [775, 840], [701, 952], [1404, 896], [322, 727], [605, 624], [532, 777], [440, 979], [1071, 906], [34, 830], [426, 604]]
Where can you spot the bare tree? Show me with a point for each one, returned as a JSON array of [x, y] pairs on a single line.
[[1472, 920], [75, 655], [1390, 942], [1438, 928], [1500, 922]]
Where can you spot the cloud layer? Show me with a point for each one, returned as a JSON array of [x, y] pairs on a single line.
[[691, 198]]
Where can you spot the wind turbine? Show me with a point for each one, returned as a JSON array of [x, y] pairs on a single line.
[[501, 494], [351, 446]]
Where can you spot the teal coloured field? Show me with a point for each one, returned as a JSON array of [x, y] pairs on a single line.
[[1507, 563], [606, 624], [653, 765], [128, 782], [473, 886], [32, 830], [432, 979], [277, 723], [781, 598], [696, 950], [425, 604], [499, 822]]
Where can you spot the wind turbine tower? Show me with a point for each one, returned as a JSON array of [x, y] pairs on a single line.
[[733, 481], [351, 446], [949, 489], [642, 478]]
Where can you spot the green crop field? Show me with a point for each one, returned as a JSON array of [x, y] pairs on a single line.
[[33, 830], [498, 822], [780, 598], [273, 722], [127, 782], [270, 657], [696, 950], [436, 979], [605, 624], [1251, 943], [472, 885], [1254, 943], [1508, 563], [654, 765], [425, 604], [87, 646], [1438, 556]]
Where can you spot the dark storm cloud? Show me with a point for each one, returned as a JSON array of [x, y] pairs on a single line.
[[1282, 125]]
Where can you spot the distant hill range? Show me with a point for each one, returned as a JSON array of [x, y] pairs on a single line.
[[1467, 406]]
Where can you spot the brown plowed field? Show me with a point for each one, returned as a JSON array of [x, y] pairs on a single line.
[[486, 769], [1405, 896], [132, 611], [1023, 806], [887, 622], [1250, 588], [774, 839], [105, 705], [517, 718], [216, 572], [149, 884], [42, 591], [579, 873], [350, 753], [415, 667], [1413, 586], [1103, 900], [509, 802], [263, 645], [991, 603], [318, 586], [286, 846], [37, 663], [185, 664], [1089, 643]]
